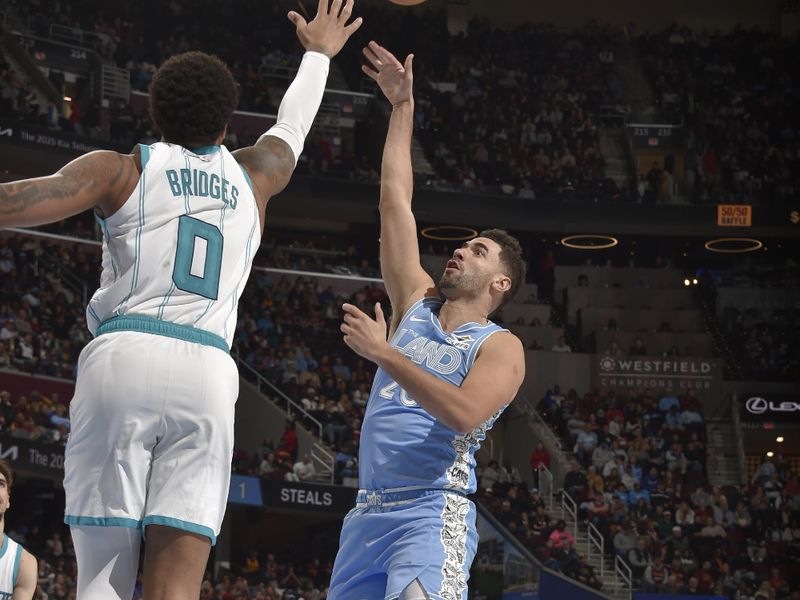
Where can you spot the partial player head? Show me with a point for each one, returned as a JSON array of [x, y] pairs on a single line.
[[490, 264], [6, 481], [192, 98]]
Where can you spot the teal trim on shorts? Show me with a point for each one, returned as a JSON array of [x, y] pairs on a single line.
[[102, 522], [4, 547], [173, 330], [205, 150], [182, 525], [16, 566], [145, 154]]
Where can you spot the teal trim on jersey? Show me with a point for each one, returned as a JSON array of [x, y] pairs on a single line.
[[144, 324], [16, 566], [145, 156], [202, 150], [247, 177], [221, 228], [94, 314], [102, 522], [163, 304], [4, 547], [137, 246], [244, 271], [182, 525], [107, 234], [186, 206], [207, 286]]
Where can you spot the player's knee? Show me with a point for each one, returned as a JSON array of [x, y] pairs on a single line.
[[414, 591]]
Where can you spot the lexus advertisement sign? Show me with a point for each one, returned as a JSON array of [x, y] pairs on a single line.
[[770, 407]]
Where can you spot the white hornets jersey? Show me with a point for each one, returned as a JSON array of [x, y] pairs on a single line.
[[10, 555], [179, 250]]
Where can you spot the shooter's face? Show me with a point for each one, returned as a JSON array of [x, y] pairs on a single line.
[[472, 268]]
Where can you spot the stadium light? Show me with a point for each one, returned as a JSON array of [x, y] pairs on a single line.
[[779, 439], [770, 454], [686, 282], [694, 281]]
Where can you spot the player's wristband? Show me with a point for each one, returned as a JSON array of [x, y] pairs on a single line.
[[301, 102]]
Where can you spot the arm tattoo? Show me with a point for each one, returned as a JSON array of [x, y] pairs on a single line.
[[273, 158], [80, 184], [21, 195]]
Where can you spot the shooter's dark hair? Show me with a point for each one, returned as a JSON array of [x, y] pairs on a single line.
[[510, 258]]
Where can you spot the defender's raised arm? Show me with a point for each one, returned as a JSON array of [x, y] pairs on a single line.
[[272, 159]]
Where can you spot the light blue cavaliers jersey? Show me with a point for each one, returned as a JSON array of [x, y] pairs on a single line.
[[181, 247], [401, 444]]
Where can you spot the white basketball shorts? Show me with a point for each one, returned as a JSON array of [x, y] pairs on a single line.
[[152, 434]]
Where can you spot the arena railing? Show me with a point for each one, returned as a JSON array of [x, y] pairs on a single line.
[[319, 454], [595, 542], [623, 574], [559, 461], [570, 507], [546, 486]]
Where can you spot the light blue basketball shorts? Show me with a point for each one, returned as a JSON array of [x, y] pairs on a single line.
[[393, 537]]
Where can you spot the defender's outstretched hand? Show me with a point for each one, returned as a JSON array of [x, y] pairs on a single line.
[[328, 31], [364, 335], [395, 80]]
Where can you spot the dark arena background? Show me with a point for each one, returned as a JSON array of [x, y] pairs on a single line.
[[647, 155]]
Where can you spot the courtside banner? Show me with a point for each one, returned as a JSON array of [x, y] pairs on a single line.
[[13, 132], [308, 497], [759, 407], [38, 458], [615, 372]]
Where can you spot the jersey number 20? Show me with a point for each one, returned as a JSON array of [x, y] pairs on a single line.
[[387, 392], [190, 232]]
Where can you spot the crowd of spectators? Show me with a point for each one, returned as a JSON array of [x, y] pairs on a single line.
[[533, 134], [34, 416], [523, 513], [736, 93], [42, 323], [505, 111], [288, 332], [258, 574], [513, 112], [639, 477]]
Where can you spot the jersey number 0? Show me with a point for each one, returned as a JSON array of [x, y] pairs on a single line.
[[190, 231]]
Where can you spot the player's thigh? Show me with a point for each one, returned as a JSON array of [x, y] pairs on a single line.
[[113, 429], [356, 576], [435, 546], [190, 472]]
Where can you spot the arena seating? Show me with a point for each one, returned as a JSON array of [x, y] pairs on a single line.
[[640, 479], [736, 94], [254, 575]]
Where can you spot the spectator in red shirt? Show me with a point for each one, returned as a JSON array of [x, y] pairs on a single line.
[[288, 441], [539, 456], [705, 577]]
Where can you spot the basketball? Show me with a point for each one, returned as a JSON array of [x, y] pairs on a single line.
[[407, 2]]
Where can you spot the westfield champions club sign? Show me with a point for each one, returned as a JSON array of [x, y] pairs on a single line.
[[611, 372]]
